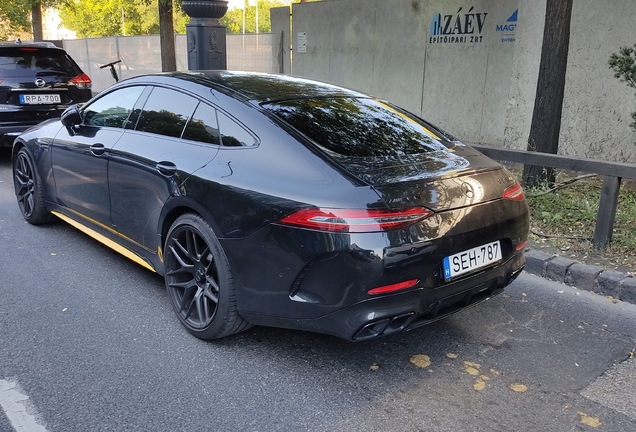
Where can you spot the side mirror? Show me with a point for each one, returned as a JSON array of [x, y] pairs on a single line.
[[71, 116]]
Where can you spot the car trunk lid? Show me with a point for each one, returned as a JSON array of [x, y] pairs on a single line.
[[443, 180], [408, 161]]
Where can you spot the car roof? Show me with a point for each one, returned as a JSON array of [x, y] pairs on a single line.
[[29, 45], [259, 87]]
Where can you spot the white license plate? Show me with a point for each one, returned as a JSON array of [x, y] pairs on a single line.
[[40, 99], [471, 260]]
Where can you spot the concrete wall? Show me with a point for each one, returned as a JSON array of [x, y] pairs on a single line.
[[596, 106], [384, 47], [525, 71], [481, 91], [281, 23]]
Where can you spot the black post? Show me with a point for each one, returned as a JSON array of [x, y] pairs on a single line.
[[606, 212], [205, 35]]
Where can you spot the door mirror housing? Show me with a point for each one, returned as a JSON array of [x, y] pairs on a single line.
[[72, 116]]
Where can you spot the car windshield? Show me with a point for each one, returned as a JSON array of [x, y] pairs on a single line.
[[27, 60], [358, 127]]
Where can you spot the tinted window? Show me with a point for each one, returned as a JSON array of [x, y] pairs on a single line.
[[30, 60], [358, 127], [166, 112], [113, 109], [233, 134], [203, 127]]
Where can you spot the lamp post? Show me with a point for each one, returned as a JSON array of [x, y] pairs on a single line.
[[207, 47]]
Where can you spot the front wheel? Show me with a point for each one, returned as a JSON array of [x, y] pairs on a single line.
[[199, 280], [29, 190]]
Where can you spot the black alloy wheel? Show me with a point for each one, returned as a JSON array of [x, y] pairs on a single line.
[[28, 189], [199, 280]]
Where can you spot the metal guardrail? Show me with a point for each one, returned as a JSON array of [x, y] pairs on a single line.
[[612, 172]]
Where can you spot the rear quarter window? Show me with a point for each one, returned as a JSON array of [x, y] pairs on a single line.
[[358, 127]]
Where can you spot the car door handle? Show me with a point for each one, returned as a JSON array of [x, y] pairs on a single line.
[[166, 168], [98, 149]]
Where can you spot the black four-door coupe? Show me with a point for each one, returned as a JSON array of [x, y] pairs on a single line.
[[279, 201]]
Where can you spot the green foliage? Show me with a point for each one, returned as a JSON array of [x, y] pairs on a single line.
[[97, 18], [624, 66], [571, 211], [233, 19], [15, 17]]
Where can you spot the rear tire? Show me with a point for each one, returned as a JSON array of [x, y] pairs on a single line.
[[29, 190], [199, 280]]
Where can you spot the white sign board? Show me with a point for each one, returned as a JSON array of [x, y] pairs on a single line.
[[302, 42]]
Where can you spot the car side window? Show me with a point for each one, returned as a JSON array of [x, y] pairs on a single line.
[[203, 126], [166, 112], [113, 109], [233, 134]]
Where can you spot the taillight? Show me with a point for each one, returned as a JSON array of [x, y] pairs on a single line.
[[514, 193], [394, 287], [82, 81], [355, 221], [1, 80]]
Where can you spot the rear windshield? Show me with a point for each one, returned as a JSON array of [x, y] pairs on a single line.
[[358, 127], [33, 61]]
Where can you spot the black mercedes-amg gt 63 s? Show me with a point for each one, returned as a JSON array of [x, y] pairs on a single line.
[[279, 201]]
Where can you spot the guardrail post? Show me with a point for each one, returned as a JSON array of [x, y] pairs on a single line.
[[606, 211]]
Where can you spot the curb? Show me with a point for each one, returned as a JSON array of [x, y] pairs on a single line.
[[608, 283]]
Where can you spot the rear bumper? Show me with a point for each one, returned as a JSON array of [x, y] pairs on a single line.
[[405, 311]]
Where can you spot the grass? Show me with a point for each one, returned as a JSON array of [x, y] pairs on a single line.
[[564, 221]]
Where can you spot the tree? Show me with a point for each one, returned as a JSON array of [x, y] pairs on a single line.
[[233, 19], [624, 66], [548, 105], [166, 36], [14, 19], [97, 18]]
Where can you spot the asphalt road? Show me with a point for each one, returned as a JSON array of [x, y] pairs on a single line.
[[91, 339]]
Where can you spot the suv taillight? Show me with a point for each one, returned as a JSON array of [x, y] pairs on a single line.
[[82, 81]]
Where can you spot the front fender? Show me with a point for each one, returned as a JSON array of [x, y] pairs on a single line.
[[37, 141]]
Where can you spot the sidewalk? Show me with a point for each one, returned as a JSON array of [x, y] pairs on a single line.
[[609, 283]]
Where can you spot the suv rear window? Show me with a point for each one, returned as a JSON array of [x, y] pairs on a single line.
[[29, 60], [358, 127]]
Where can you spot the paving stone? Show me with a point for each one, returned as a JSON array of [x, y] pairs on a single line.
[[608, 282], [628, 290], [557, 268], [582, 276], [535, 261]]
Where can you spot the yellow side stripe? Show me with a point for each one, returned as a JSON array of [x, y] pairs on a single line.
[[106, 241], [107, 228]]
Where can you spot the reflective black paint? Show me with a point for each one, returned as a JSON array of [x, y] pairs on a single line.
[[134, 187]]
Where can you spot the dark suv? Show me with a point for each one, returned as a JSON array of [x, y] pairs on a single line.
[[37, 82]]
